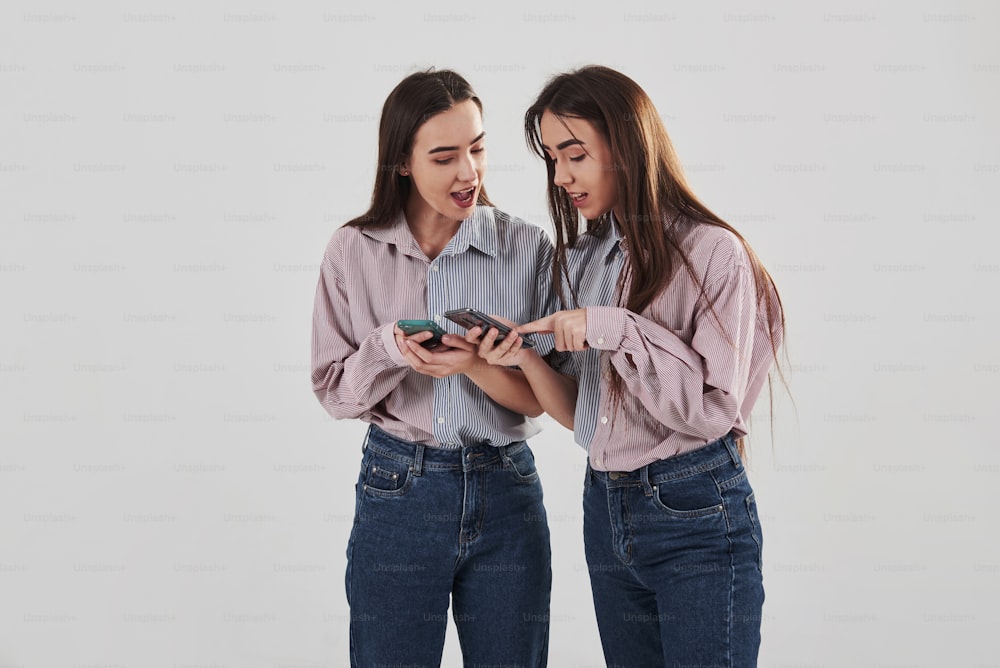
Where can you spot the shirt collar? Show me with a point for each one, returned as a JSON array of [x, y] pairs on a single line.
[[614, 240], [477, 231]]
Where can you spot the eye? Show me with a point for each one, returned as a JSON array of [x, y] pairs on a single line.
[[445, 161], [479, 150], [577, 158]]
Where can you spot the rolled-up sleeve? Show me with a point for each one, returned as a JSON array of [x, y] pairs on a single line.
[[699, 388], [349, 377]]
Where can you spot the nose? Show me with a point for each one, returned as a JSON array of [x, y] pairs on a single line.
[[467, 169], [561, 176]]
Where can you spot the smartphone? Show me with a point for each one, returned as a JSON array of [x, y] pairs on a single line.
[[411, 327], [470, 317]]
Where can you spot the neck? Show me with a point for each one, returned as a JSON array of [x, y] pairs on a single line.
[[616, 212], [430, 229]]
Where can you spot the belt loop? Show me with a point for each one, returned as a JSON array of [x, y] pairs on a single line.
[[418, 460], [734, 454], [644, 477], [504, 457]]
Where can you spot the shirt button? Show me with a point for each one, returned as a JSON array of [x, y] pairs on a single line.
[[440, 420], [434, 267], [600, 340], [437, 317], [604, 420]]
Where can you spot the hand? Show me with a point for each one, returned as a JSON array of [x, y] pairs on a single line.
[[402, 338], [569, 328], [454, 356], [508, 352]]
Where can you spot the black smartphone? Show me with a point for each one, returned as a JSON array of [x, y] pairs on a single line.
[[470, 317], [411, 327]]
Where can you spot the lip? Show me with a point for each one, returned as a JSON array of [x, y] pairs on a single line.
[[578, 203], [467, 203]]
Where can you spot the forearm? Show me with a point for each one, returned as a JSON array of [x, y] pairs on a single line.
[[556, 392], [508, 387], [348, 383], [676, 381]]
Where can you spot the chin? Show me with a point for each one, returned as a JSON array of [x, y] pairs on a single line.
[[457, 213]]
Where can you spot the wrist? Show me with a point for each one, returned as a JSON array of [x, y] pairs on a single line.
[[476, 367], [531, 361]]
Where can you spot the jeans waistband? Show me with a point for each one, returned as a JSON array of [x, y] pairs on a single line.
[[424, 458], [710, 456]]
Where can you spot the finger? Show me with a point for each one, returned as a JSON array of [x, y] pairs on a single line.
[[540, 326], [488, 342], [457, 342], [420, 337], [495, 354], [472, 335], [514, 347], [411, 358], [560, 340], [421, 353], [508, 341]]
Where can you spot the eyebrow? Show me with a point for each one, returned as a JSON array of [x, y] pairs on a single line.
[[562, 145], [441, 149]]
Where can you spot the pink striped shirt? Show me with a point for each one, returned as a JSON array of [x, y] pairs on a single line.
[[687, 381]]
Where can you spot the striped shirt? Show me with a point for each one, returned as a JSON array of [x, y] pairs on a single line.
[[687, 382], [372, 277]]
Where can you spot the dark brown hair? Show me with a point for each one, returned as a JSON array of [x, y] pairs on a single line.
[[411, 103], [652, 193]]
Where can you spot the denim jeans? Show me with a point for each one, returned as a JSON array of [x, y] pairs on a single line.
[[430, 524], [674, 553]]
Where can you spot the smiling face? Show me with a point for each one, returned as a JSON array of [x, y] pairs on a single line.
[[447, 163], [584, 166]]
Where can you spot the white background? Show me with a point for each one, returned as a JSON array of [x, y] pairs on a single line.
[[173, 496]]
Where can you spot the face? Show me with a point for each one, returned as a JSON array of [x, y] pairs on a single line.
[[448, 162], [583, 163]]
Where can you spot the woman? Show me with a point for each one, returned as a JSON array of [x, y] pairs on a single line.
[[674, 325], [448, 500]]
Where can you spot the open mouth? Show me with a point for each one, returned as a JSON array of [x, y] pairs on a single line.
[[464, 197], [577, 198]]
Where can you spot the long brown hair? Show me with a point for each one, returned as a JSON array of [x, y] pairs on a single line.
[[652, 193], [411, 103]]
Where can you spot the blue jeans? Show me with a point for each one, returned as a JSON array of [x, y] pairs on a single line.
[[430, 524], [674, 553]]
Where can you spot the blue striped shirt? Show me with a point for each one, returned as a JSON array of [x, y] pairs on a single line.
[[372, 277], [594, 265]]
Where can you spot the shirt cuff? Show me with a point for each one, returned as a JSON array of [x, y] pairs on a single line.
[[389, 343], [605, 327]]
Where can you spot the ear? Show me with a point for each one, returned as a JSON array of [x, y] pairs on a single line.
[[404, 169]]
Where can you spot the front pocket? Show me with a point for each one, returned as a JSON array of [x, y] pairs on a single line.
[[522, 465], [688, 498], [387, 477]]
